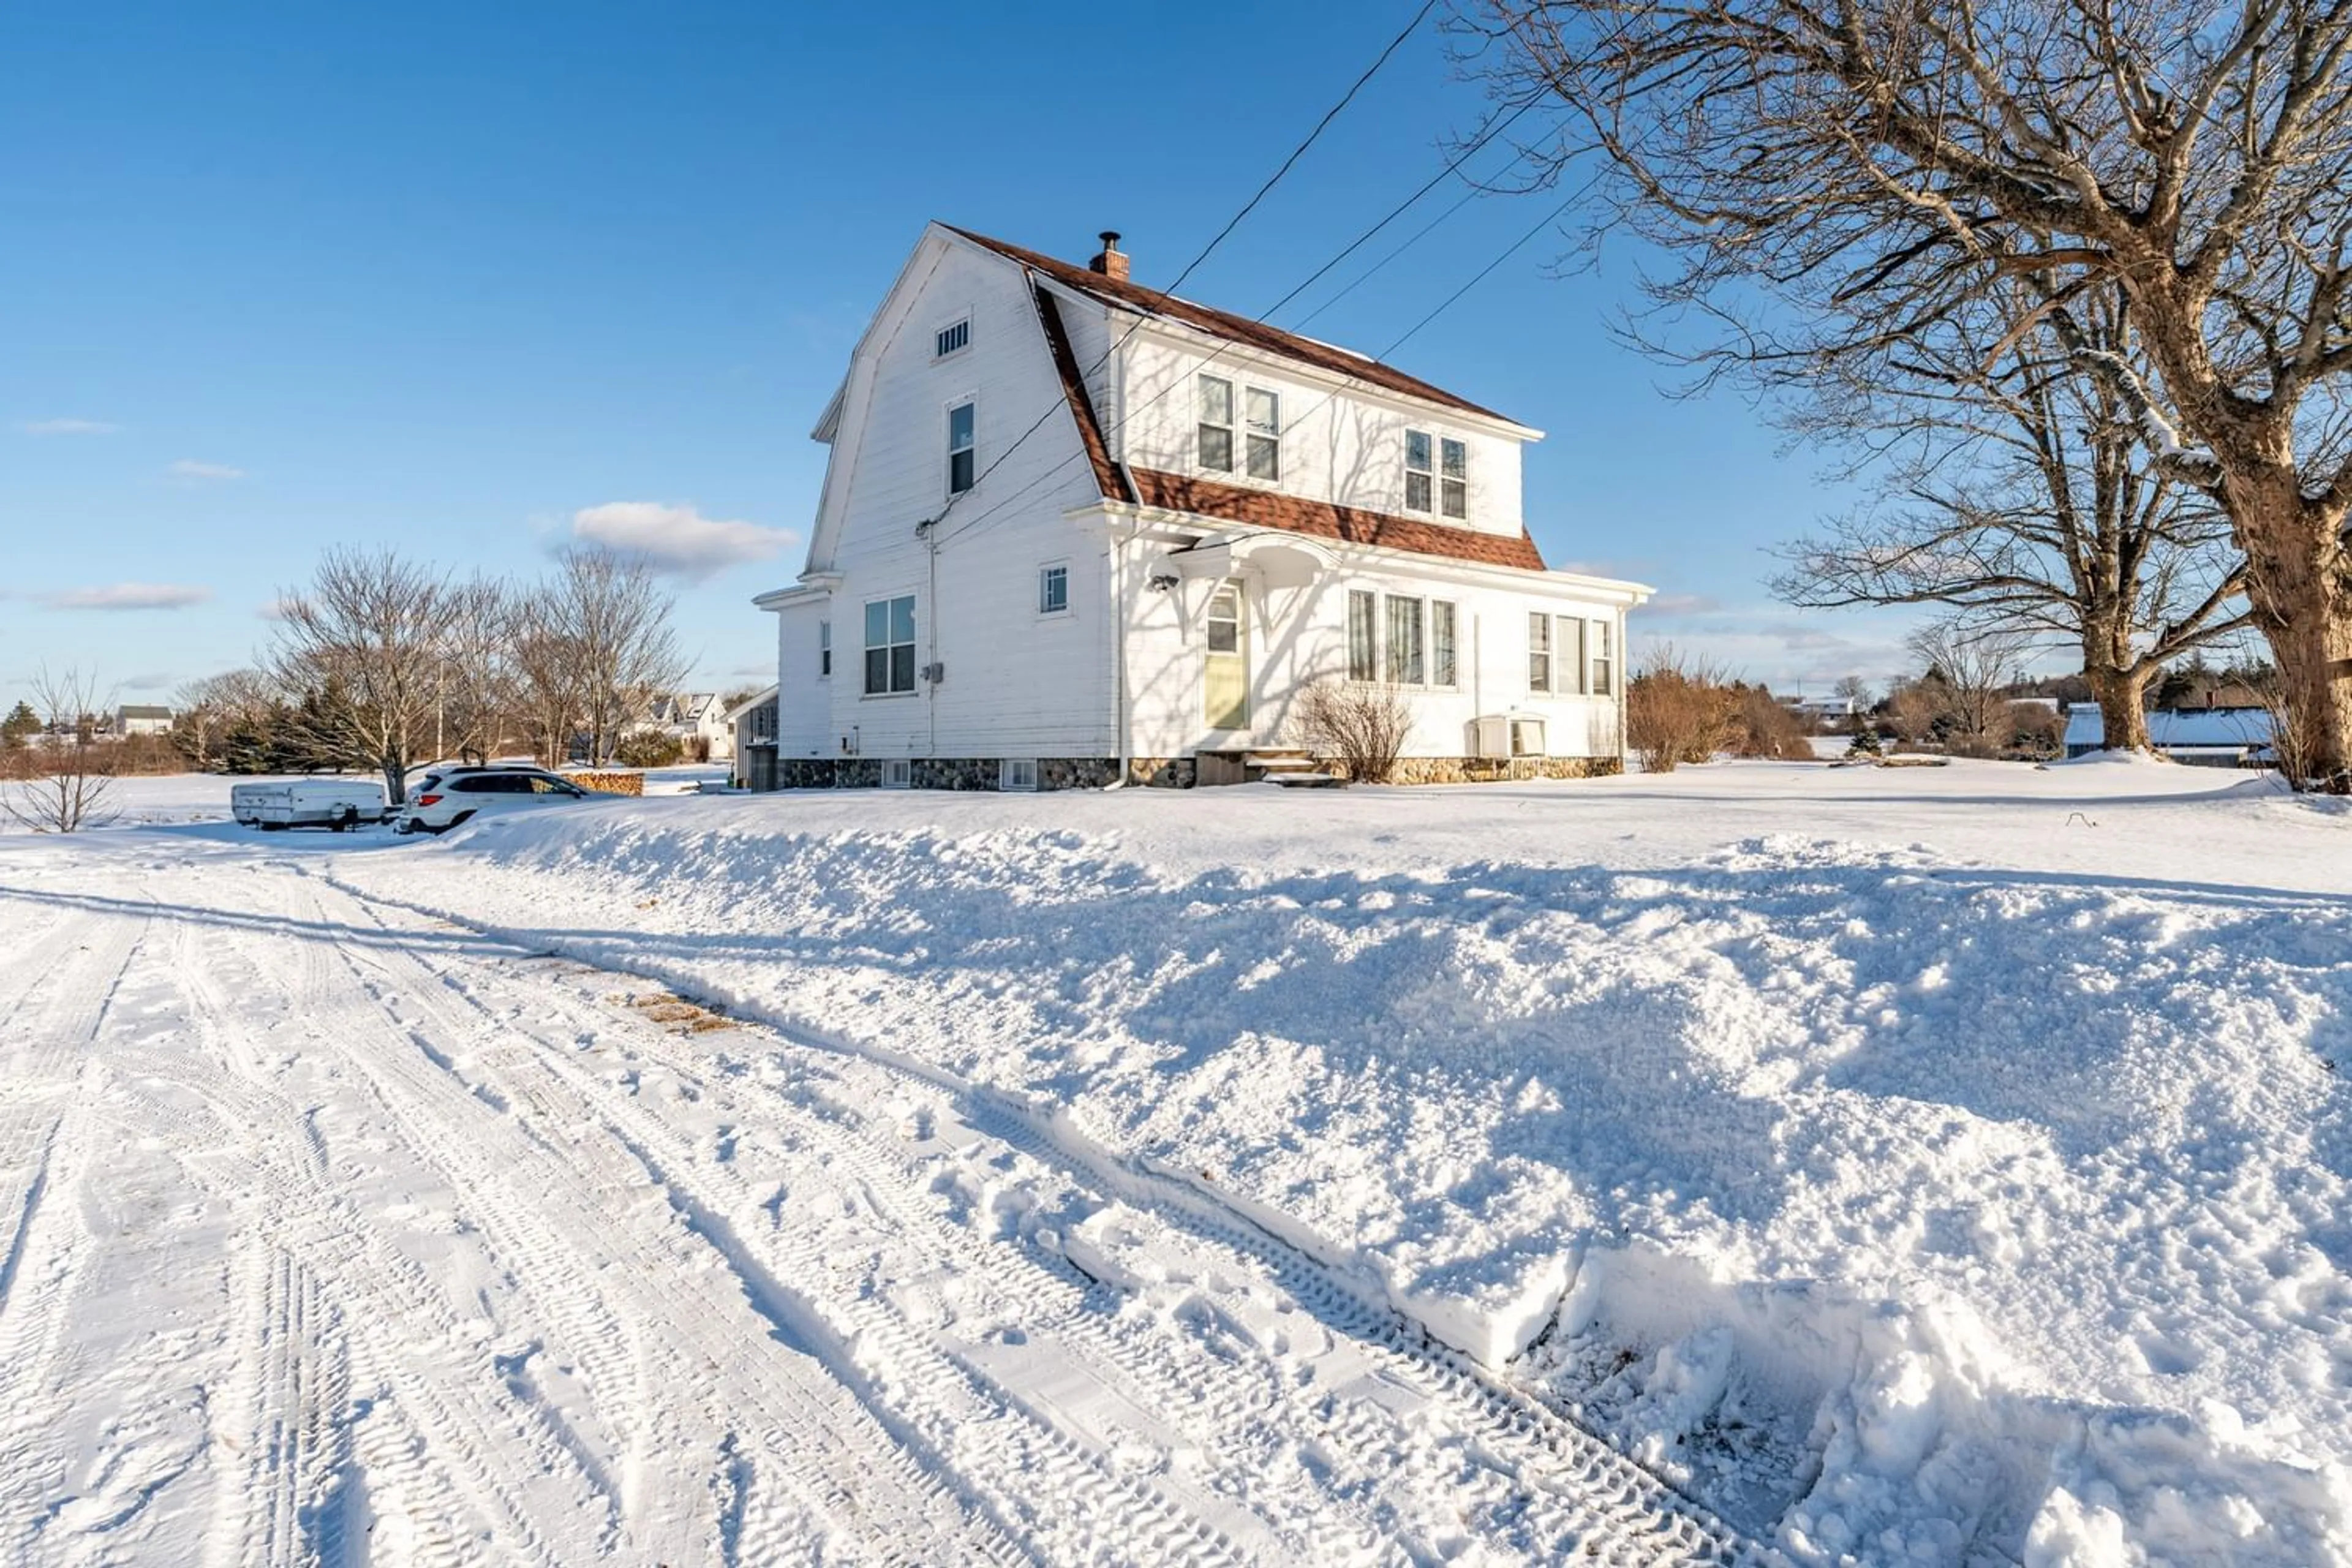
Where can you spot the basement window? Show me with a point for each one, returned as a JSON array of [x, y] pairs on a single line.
[[1018, 774]]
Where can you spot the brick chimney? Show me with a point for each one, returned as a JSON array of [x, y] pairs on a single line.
[[1111, 262]]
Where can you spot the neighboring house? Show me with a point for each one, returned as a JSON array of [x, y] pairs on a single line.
[[1075, 532], [754, 725], [2204, 737], [137, 719], [1821, 710], [689, 717]]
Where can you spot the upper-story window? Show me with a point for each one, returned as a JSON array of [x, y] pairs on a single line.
[[951, 339], [1052, 590], [1216, 424], [1418, 467], [823, 649], [1447, 481], [961, 420], [1264, 410]]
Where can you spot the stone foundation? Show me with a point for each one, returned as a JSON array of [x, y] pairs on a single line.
[[1500, 770], [980, 773], [1155, 772]]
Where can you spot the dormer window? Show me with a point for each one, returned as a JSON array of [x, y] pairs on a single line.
[[1216, 432], [952, 339], [1454, 478], [1450, 481], [1265, 435]]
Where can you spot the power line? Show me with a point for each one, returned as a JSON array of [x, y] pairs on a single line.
[[1234, 221]]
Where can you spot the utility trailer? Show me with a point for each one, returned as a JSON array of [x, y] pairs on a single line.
[[337, 803]]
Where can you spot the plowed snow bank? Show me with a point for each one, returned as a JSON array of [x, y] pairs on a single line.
[[1908, 1198]]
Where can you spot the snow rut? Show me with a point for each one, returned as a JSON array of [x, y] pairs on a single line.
[[1562, 1490]]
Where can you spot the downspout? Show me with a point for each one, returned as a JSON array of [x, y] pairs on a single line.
[[1119, 553], [1620, 672]]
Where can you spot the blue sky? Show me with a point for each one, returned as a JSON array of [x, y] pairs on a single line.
[[449, 278]]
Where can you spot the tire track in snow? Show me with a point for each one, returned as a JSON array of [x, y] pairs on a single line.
[[1612, 1508], [473, 1135], [395, 1315], [43, 1146], [994, 1442]]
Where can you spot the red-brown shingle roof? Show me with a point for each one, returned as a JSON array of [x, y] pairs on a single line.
[[1225, 324], [1254, 508], [1322, 519]]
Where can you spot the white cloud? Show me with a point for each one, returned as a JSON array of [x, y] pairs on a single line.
[[67, 427], [190, 470], [131, 597], [677, 539], [1681, 604], [149, 683]]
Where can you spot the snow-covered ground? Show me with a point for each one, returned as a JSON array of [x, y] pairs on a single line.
[[1928, 1165]]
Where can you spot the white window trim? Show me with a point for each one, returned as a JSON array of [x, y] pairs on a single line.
[[1231, 427], [962, 319], [864, 647], [1068, 600], [1242, 437], [1547, 618], [1008, 779], [1381, 597], [947, 492], [904, 767], [1438, 437], [824, 651]]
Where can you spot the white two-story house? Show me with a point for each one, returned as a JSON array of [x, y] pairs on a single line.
[[1074, 530]]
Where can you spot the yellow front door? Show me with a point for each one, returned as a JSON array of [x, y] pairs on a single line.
[[1224, 687]]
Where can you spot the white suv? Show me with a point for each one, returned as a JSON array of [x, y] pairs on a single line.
[[448, 797]]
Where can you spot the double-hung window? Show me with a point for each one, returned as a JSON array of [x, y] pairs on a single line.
[[889, 646], [823, 649], [1454, 478], [1052, 590], [1408, 655], [1264, 432], [1363, 659], [1216, 431], [1604, 658], [960, 453], [1568, 644], [1441, 643], [1417, 470], [1402, 639], [1538, 652]]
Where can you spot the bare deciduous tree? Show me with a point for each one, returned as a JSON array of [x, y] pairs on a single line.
[[2017, 491], [1970, 670], [1836, 181], [363, 643], [475, 691], [69, 780], [610, 620]]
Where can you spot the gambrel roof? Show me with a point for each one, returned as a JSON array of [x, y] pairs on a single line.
[[1226, 325]]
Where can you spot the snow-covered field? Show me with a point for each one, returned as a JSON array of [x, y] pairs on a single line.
[[1929, 1164]]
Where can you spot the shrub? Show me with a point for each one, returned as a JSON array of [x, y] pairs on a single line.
[[647, 749], [1765, 728], [1358, 726], [1677, 710]]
